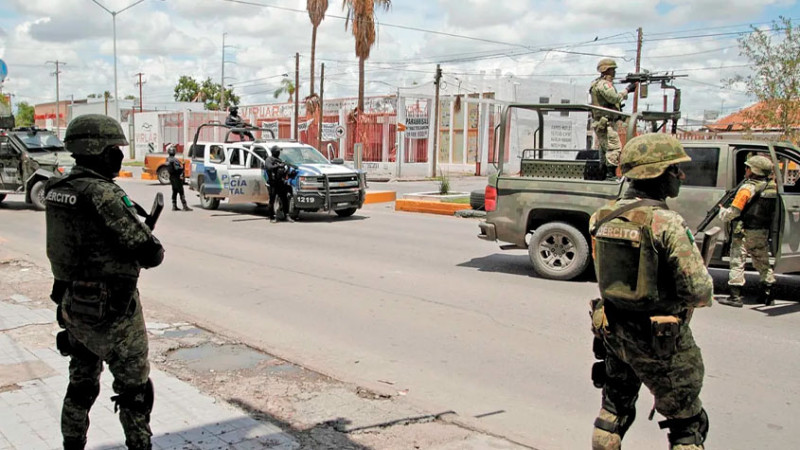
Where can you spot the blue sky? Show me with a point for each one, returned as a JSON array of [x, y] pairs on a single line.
[[169, 38]]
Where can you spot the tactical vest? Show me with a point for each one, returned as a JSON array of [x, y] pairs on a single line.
[[626, 260], [600, 101], [760, 210], [79, 246]]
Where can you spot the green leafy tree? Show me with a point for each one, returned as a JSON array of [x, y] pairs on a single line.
[[361, 14], [316, 12], [208, 92], [774, 56], [24, 116], [287, 87]]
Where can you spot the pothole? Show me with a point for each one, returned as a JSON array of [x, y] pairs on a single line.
[[206, 357]]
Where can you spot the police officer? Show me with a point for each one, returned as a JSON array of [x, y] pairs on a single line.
[[651, 276], [750, 216], [605, 125], [235, 121], [176, 177], [97, 245], [277, 171]]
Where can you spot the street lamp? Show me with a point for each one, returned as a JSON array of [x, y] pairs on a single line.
[[114, 21]]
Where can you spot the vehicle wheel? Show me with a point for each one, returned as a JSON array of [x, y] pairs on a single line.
[[346, 212], [477, 199], [2, 197], [163, 175], [37, 195], [294, 212], [558, 251], [207, 202]]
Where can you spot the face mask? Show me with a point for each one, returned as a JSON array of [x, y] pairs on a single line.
[[113, 161], [673, 186]]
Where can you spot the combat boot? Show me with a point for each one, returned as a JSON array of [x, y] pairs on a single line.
[[175, 207], [766, 296], [611, 173], [735, 299], [186, 207]]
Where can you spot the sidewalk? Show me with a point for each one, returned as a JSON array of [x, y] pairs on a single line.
[[34, 377]]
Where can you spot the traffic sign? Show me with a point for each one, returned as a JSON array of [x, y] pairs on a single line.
[[339, 131]]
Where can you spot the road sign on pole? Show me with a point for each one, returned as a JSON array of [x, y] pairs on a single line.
[[339, 131]]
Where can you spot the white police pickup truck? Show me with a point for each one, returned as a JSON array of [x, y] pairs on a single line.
[[234, 171]]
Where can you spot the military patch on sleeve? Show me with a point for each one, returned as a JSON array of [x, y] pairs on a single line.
[[690, 235], [127, 201]]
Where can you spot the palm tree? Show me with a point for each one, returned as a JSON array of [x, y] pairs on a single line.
[[316, 12], [287, 87], [362, 14]]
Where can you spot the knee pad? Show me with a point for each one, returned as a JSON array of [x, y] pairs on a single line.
[[138, 399], [604, 440], [615, 423], [689, 431], [83, 394]]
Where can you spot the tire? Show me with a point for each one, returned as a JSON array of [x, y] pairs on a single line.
[[477, 199], [163, 175], [294, 212], [346, 212], [207, 202], [37, 195], [2, 197], [558, 251]]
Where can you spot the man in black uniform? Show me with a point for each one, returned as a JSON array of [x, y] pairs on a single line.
[[277, 171], [234, 121], [176, 176]]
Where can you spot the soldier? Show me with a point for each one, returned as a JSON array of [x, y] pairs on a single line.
[[651, 277], [605, 95], [176, 177], [751, 215], [235, 121], [276, 176], [97, 245]]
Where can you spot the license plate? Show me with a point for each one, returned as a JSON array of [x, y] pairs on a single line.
[[305, 199], [342, 204]]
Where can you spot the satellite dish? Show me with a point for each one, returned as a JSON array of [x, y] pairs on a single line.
[[3, 70]]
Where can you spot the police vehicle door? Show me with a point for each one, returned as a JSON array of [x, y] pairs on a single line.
[[786, 245], [9, 165], [244, 183]]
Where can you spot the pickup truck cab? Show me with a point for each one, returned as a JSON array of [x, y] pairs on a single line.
[[545, 207], [234, 171], [28, 158]]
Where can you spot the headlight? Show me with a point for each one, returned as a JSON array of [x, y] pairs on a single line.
[[310, 183]]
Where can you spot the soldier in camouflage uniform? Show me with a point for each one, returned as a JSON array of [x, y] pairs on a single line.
[[97, 245], [751, 215], [605, 95], [651, 277]]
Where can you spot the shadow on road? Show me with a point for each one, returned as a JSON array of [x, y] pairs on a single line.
[[12, 205], [248, 211], [785, 288], [515, 264]]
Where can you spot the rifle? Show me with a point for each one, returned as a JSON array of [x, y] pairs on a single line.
[[155, 212], [648, 77], [725, 201]]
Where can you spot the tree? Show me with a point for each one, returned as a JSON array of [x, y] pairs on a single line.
[[189, 90], [24, 116], [316, 12], [775, 80], [361, 13], [287, 87]]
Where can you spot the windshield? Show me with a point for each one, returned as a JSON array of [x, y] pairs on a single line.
[[302, 155], [40, 141]]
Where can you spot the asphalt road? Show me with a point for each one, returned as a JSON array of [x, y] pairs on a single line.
[[416, 302]]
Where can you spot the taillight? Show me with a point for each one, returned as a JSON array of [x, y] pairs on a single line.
[[490, 198]]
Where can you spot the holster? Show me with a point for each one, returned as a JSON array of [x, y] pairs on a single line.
[[665, 332], [98, 303]]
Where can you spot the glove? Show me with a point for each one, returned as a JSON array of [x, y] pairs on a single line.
[[631, 87]]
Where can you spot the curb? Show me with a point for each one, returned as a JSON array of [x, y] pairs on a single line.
[[380, 197], [422, 206], [147, 176], [125, 174]]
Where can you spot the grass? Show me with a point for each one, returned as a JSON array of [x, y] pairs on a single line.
[[461, 200], [133, 163]]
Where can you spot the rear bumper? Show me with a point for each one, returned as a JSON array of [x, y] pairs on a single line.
[[488, 232]]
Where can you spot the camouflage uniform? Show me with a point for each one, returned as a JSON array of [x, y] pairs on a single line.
[[605, 95], [751, 215], [97, 245], [651, 277]]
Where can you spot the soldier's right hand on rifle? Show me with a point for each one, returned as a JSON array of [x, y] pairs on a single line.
[[630, 88]]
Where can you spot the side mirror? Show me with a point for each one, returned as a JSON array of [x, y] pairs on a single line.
[[337, 161]]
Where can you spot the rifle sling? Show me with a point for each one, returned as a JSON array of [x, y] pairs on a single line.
[[618, 212]]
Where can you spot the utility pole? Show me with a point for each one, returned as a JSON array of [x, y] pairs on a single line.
[[222, 81], [58, 100], [638, 68], [140, 83], [436, 79], [321, 104], [296, 93]]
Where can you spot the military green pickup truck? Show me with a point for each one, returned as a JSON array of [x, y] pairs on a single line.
[[545, 205]]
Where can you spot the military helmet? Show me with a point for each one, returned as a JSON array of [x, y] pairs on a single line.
[[171, 150], [605, 64], [234, 110], [648, 156], [90, 134], [759, 165], [275, 151]]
